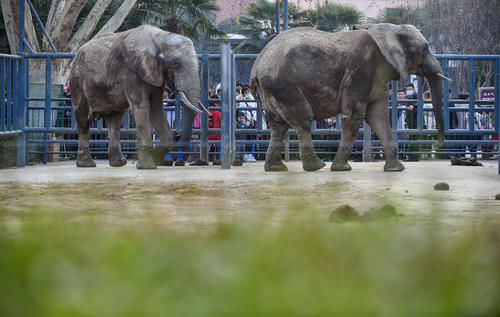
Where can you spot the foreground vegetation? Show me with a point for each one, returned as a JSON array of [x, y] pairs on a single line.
[[98, 258]]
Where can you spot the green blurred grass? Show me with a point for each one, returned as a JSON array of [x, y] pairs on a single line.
[[114, 248], [53, 267]]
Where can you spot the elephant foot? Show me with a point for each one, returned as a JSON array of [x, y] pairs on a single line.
[[85, 160], [340, 167], [313, 164], [117, 163], [167, 162], [395, 166], [180, 163], [275, 167], [159, 153], [146, 160]]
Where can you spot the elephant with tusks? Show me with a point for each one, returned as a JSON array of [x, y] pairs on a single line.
[[130, 70], [305, 74]]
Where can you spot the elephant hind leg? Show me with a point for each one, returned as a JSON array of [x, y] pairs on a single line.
[[310, 161], [350, 127], [84, 158], [115, 156], [273, 156]]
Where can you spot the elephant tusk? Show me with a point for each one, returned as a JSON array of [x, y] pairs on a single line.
[[205, 109], [444, 77], [188, 103]]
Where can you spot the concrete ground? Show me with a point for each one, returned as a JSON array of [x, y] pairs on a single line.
[[365, 186]]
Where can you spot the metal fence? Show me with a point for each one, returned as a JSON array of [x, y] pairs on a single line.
[[41, 115], [9, 67]]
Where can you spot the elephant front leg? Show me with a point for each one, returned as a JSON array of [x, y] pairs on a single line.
[[115, 156], [145, 159], [310, 161], [377, 117], [162, 128], [349, 131]]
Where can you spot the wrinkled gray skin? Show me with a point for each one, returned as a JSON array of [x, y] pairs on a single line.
[[129, 70], [305, 74]]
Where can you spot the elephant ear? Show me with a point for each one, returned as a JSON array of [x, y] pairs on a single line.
[[139, 51], [388, 38]]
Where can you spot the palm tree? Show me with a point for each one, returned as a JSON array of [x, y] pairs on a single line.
[[334, 17], [259, 24], [192, 18]]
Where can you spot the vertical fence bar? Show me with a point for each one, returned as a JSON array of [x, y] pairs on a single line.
[[8, 104], [446, 111], [21, 112], [204, 116], [226, 105], [497, 106], [472, 97], [394, 105], [285, 15], [233, 106], [367, 142], [420, 104], [12, 116], [394, 114], [21, 92], [277, 17], [46, 117], [178, 113], [2, 94]]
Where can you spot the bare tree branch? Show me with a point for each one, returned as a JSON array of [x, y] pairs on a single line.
[[85, 30], [10, 9], [117, 19]]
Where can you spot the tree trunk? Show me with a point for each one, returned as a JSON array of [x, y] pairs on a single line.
[[10, 9], [82, 35], [60, 22], [117, 19]]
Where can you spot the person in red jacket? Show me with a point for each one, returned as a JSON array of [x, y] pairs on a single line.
[[214, 122]]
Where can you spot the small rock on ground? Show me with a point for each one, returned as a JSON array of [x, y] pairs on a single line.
[[344, 213], [497, 196], [441, 186], [386, 211]]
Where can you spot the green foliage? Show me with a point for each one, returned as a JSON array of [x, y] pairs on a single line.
[[334, 17], [258, 25], [191, 18], [53, 266]]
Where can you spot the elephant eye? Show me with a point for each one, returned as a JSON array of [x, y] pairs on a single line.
[[173, 64]]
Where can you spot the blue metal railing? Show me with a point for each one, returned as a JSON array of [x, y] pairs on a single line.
[[18, 110], [49, 127], [9, 67]]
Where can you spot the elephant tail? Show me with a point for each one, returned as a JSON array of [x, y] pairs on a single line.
[[255, 93]]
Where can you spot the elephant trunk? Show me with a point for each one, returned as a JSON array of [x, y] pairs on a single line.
[[432, 71], [436, 85], [188, 85]]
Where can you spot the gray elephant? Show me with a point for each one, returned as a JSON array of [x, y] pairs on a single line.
[[130, 70], [305, 74]]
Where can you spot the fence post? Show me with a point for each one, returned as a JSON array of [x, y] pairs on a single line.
[[287, 147], [277, 17], [367, 142], [21, 92], [204, 116], [227, 116], [497, 105]]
